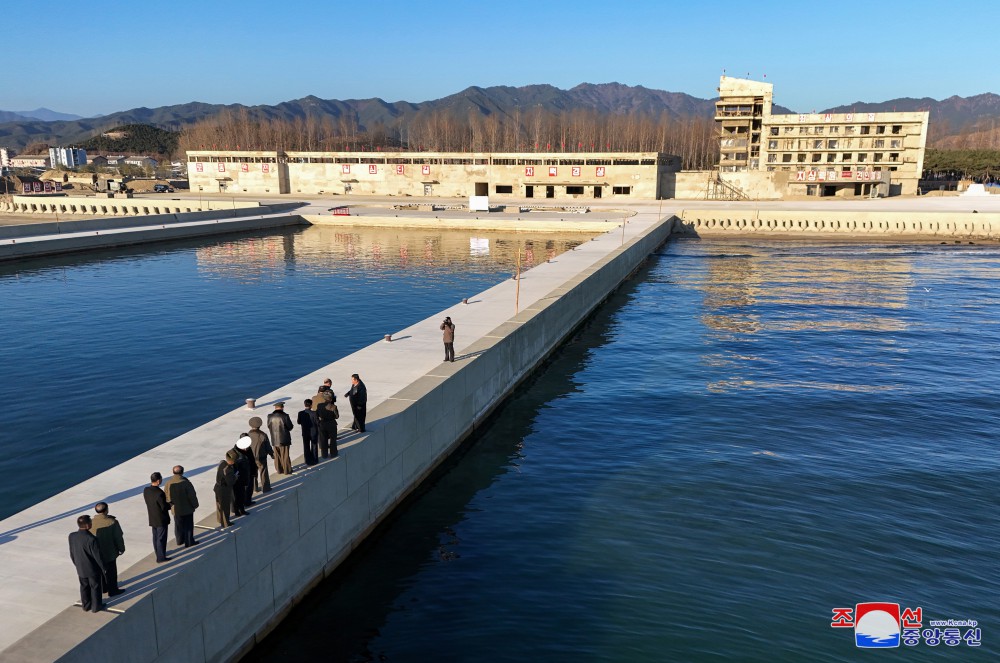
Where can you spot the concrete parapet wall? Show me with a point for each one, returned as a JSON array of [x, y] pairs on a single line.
[[237, 586], [867, 224], [92, 205]]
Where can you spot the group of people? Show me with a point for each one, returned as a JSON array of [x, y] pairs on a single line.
[[99, 541]]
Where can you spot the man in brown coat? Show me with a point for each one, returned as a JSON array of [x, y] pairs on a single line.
[[448, 327], [261, 447], [111, 541], [183, 500]]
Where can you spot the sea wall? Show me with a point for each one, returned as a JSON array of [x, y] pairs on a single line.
[[240, 583], [838, 223], [24, 242]]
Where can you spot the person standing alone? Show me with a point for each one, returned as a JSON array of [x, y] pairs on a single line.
[[159, 515], [448, 327], [86, 556], [111, 541], [183, 500], [358, 398], [280, 425]]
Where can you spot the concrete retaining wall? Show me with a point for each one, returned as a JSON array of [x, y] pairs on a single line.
[[238, 587], [129, 234], [88, 225], [894, 225]]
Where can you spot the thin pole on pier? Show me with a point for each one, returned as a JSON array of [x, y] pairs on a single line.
[[517, 288]]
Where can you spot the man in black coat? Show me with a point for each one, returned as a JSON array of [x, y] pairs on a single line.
[[86, 556], [309, 425], [326, 419], [358, 397], [244, 477], [159, 515]]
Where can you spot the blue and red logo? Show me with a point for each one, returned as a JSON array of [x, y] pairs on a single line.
[[876, 625]]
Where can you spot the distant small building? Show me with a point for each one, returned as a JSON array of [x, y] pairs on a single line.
[[116, 160], [70, 157], [99, 161], [5, 156], [142, 161], [30, 161]]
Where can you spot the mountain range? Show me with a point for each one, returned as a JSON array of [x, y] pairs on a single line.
[[949, 116]]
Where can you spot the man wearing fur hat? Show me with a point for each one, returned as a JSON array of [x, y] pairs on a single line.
[[261, 447]]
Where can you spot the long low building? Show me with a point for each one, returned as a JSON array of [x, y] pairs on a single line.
[[561, 176]]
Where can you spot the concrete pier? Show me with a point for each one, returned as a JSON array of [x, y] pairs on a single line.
[[212, 602]]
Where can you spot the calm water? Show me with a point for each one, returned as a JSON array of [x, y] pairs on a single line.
[[108, 354], [746, 437]]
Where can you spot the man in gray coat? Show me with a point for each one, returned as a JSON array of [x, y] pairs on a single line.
[[260, 445], [183, 501], [86, 556], [280, 425]]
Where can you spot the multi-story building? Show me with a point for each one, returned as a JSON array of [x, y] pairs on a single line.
[[70, 157], [564, 176], [815, 154], [5, 156]]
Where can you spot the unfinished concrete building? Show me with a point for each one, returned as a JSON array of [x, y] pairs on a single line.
[[813, 154]]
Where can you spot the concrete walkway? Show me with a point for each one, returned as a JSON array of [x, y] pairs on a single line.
[[37, 580]]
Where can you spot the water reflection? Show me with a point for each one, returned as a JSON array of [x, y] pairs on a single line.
[[324, 250], [753, 289]]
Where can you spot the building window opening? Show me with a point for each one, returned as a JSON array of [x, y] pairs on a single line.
[[866, 130], [621, 190], [574, 190], [880, 129], [504, 188], [897, 128]]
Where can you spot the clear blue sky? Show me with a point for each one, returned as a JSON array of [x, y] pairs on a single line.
[[65, 56]]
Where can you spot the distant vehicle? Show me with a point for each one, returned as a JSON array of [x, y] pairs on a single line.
[[163, 188]]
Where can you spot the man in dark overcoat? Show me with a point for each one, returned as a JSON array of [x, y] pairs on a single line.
[[225, 479], [245, 471], [183, 500], [309, 425], [358, 397], [280, 425], [86, 556], [159, 515]]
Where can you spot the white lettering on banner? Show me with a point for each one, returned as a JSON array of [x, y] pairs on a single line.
[[800, 176], [425, 170], [600, 171], [576, 171], [553, 171], [200, 167], [828, 117], [831, 174], [821, 175], [372, 169], [346, 169], [871, 117], [811, 177], [849, 117], [266, 167], [222, 167], [529, 171], [245, 167], [399, 169]]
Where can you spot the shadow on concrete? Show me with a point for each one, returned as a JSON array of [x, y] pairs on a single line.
[[10, 535]]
